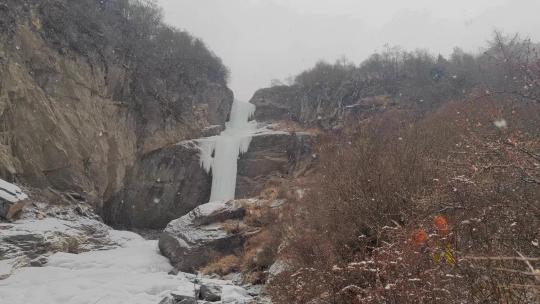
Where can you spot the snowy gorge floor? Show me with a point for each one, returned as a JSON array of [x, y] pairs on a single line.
[[134, 273]]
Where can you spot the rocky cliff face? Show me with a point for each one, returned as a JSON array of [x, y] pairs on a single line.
[[270, 158], [318, 106], [277, 103], [163, 185], [60, 126], [321, 106], [79, 121], [81, 112]]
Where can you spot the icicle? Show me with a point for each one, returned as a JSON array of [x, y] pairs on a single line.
[[207, 147], [219, 154]]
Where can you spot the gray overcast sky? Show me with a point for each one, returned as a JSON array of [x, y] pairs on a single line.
[[261, 40]]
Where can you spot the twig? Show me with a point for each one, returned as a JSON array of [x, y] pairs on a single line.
[[507, 270], [531, 268], [510, 286], [501, 258]]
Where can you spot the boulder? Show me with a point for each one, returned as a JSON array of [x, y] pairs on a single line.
[[277, 268], [277, 103], [183, 299], [234, 294], [12, 200], [207, 291], [10, 210], [210, 292], [167, 300], [191, 241], [178, 299]]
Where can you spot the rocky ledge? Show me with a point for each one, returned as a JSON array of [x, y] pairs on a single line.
[[44, 229]]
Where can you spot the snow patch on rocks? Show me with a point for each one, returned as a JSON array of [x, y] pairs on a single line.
[[39, 234], [11, 192], [12, 200]]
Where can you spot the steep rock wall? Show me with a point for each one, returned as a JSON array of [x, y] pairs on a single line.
[[68, 119], [317, 106], [271, 158], [162, 186]]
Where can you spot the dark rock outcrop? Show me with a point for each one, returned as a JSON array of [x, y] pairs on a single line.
[[277, 103], [191, 241], [272, 156], [206, 291], [10, 210], [176, 298], [210, 292], [12, 200], [314, 107], [164, 185]]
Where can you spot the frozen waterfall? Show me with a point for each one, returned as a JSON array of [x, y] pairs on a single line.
[[220, 153]]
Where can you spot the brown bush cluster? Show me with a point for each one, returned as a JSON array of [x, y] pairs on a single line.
[[435, 207]]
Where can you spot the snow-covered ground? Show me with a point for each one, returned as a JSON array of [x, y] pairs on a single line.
[[111, 267], [134, 273]]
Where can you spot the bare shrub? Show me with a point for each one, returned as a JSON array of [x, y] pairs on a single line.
[[421, 209], [259, 254]]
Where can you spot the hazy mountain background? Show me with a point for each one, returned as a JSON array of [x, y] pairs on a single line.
[[273, 39]]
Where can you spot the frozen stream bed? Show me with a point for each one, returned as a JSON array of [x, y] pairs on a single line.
[[134, 273]]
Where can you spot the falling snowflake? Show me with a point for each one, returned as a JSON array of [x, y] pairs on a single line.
[[501, 124]]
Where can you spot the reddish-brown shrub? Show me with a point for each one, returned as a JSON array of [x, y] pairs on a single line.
[[464, 182]]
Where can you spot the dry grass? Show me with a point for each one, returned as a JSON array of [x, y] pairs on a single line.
[[270, 193], [223, 266], [294, 127], [233, 226], [261, 214]]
